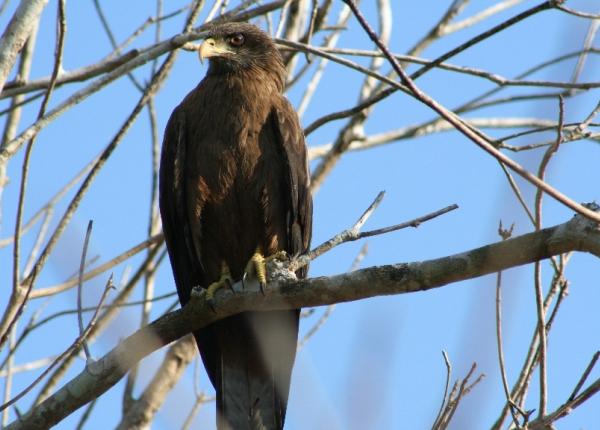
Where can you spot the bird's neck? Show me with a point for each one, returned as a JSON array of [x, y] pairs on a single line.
[[267, 75]]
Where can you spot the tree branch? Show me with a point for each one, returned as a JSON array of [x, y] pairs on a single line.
[[16, 34], [578, 234]]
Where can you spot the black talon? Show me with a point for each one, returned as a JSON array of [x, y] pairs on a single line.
[[263, 286]]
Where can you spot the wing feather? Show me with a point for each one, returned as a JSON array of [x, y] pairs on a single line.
[[299, 220], [173, 207]]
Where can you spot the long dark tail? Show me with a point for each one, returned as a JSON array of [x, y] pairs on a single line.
[[249, 359]]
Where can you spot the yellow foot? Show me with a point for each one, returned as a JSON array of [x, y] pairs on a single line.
[[224, 281], [257, 266]]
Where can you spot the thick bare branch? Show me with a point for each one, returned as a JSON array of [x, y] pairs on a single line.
[[577, 234]]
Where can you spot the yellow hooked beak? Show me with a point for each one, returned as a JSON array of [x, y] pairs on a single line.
[[213, 48]]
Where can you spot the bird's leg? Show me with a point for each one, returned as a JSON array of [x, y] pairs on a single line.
[[258, 266], [225, 280]]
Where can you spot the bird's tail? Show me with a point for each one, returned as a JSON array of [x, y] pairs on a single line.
[[249, 358]]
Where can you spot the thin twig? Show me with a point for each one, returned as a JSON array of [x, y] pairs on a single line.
[[311, 22], [8, 375], [459, 391], [435, 126], [546, 5], [86, 415], [517, 191], [113, 42], [26, 367], [48, 206], [39, 240], [316, 327], [505, 234], [545, 422], [463, 390], [13, 348], [577, 12], [589, 40], [384, 18], [148, 22], [412, 223], [201, 399], [76, 344], [329, 42], [329, 309], [15, 109], [520, 387], [588, 120], [445, 398], [584, 376], [339, 238], [471, 71], [437, 30], [91, 309], [86, 243], [213, 10], [157, 32], [155, 241], [283, 15], [538, 286], [354, 233], [484, 14]]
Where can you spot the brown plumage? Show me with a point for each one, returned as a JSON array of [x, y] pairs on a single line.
[[234, 180]]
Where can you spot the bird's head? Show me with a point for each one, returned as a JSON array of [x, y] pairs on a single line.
[[238, 46]]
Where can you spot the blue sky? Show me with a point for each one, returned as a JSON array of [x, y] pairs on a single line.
[[376, 363]]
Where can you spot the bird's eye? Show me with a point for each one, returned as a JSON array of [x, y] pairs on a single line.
[[237, 39]]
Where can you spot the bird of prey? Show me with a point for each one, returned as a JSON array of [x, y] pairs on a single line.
[[234, 190]]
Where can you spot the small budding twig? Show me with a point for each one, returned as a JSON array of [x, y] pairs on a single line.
[[354, 232], [445, 398], [459, 390]]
